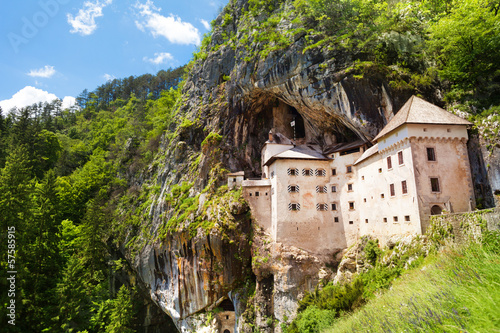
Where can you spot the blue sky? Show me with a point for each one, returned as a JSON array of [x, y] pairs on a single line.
[[58, 48]]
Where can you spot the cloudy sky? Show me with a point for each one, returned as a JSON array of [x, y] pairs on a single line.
[[58, 48]]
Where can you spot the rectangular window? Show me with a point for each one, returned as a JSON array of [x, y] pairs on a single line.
[[380, 170], [400, 158], [321, 189], [351, 205], [334, 188], [349, 187], [272, 174], [320, 173], [321, 206], [362, 177], [257, 194], [404, 187], [307, 172], [434, 184], [431, 154], [293, 172], [334, 206], [349, 169], [334, 172], [382, 195], [407, 218], [385, 219], [293, 188], [395, 219], [393, 191], [389, 163], [351, 222], [366, 220], [294, 206], [336, 219]]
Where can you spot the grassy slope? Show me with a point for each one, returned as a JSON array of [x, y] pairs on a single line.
[[454, 291]]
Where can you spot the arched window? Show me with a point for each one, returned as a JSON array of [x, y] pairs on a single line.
[[436, 210]]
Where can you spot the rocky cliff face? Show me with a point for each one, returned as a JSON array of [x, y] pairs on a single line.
[[216, 252]]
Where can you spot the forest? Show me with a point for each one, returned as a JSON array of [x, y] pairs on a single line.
[[60, 172], [64, 172]]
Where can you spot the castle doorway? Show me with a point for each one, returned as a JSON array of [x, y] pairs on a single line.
[[436, 210]]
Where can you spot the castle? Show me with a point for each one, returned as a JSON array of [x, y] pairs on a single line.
[[317, 200]]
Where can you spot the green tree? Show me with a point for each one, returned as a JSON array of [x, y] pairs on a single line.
[[42, 262], [15, 201], [122, 312], [466, 44]]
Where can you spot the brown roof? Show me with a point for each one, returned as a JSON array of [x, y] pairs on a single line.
[[340, 147], [303, 152], [419, 111]]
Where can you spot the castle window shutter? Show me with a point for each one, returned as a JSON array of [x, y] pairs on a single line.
[[289, 206], [289, 188], [317, 189], [303, 172], [325, 189], [297, 188], [296, 172], [298, 206]]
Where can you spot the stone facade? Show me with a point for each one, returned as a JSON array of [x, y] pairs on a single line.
[[322, 201]]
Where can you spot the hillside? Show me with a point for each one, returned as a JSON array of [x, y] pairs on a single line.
[[123, 200]]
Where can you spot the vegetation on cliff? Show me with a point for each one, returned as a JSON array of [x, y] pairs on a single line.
[[422, 46], [455, 291], [80, 186]]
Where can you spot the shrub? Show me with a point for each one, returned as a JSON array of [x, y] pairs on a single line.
[[313, 320], [372, 251]]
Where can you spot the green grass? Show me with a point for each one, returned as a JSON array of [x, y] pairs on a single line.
[[455, 291]]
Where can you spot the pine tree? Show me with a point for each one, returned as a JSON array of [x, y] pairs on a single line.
[[15, 201]]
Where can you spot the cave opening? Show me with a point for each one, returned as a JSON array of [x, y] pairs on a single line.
[[227, 305], [288, 121], [298, 124]]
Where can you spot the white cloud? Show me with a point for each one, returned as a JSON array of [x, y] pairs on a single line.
[[108, 77], [30, 95], [159, 58], [171, 27], [84, 22], [205, 24], [45, 72], [68, 101]]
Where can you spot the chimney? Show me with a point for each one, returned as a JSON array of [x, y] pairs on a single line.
[[271, 137]]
